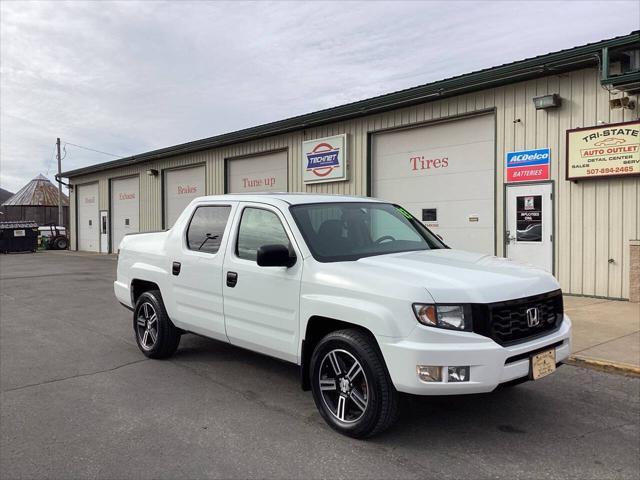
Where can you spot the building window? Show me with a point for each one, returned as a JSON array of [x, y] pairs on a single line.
[[207, 227], [429, 215]]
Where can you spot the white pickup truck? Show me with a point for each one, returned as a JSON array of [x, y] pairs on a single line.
[[356, 291]]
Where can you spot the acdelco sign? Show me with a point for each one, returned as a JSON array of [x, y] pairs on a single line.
[[528, 165], [324, 159]]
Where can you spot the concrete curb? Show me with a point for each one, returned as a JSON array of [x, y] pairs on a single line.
[[605, 366]]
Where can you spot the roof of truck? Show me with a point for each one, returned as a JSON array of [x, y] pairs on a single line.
[[289, 198]]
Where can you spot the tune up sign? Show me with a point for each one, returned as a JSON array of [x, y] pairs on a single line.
[[528, 165]]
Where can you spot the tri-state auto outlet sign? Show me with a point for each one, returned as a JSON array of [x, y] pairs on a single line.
[[606, 151], [324, 159], [528, 165]]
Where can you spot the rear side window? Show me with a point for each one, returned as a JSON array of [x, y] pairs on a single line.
[[206, 228], [259, 227]]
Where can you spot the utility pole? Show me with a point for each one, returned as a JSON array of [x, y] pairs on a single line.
[[60, 216]]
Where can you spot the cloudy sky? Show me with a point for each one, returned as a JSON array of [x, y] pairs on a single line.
[[128, 77]]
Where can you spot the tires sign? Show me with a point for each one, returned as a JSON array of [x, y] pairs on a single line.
[[325, 159]]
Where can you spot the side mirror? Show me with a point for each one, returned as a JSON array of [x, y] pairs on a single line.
[[275, 256]]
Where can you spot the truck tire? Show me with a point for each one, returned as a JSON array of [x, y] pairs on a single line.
[[351, 385], [155, 334]]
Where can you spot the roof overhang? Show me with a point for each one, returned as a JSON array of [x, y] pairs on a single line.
[[543, 65]]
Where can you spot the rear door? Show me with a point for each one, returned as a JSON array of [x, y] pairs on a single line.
[[261, 304], [197, 270]]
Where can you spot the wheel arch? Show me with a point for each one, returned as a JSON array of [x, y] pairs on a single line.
[[318, 327], [139, 286]]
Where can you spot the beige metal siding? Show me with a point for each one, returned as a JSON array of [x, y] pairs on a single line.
[[594, 219]]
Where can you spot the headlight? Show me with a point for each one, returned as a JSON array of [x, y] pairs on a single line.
[[454, 317]]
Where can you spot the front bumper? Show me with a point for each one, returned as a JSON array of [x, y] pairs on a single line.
[[491, 364]]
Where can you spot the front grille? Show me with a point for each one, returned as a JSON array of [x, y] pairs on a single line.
[[507, 323]]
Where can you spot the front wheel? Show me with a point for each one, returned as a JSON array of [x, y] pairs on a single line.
[[351, 386], [156, 335]]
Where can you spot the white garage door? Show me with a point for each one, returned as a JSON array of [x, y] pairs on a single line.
[[260, 173], [125, 208], [180, 187], [88, 225], [443, 174]]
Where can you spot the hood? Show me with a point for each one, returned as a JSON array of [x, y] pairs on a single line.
[[454, 276]]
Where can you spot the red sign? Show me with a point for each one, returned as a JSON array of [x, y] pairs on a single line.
[[528, 173]]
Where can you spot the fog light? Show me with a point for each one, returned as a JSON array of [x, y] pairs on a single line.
[[429, 373], [458, 374]]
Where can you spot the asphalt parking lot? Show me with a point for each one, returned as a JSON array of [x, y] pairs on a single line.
[[79, 400]]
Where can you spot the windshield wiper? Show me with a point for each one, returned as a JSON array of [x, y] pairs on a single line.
[[209, 237]]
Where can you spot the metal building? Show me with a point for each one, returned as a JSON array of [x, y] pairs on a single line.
[[536, 160], [37, 202]]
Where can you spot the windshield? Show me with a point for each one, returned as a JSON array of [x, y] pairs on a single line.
[[351, 230]]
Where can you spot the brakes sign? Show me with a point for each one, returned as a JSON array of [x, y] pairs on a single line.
[[528, 165]]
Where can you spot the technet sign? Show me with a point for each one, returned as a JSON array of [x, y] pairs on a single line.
[[528, 165]]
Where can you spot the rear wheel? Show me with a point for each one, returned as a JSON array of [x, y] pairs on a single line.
[[60, 243], [156, 335], [351, 386]]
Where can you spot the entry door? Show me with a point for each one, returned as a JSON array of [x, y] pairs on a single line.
[[261, 304], [104, 231], [529, 235]]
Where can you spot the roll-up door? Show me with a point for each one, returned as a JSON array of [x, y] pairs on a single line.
[[444, 175], [258, 173], [181, 186], [88, 225], [125, 208]]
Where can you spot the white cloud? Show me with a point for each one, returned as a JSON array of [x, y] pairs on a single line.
[[127, 77]]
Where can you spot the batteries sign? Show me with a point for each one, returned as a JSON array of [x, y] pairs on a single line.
[[528, 165]]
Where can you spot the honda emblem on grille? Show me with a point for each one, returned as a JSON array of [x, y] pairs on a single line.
[[533, 317]]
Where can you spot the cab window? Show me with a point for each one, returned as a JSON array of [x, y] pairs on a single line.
[[207, 227], [259, 227]]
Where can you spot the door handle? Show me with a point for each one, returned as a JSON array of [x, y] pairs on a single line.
[[508, 238], [175, 268], [232, 279]]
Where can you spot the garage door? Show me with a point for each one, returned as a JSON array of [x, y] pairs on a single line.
[[180, 187], [443, 174], [125, 208], [260, 173], [88, 226]]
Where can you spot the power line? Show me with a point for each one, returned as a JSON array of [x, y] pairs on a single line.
[[93, 149], [51, 159]]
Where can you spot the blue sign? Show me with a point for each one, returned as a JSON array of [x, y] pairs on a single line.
[[525, 158], [323, 159]]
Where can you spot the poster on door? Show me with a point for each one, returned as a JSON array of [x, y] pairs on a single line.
[[529, 218]]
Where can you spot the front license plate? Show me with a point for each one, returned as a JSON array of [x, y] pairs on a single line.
[[543, 364]]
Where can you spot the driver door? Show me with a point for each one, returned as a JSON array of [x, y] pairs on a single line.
[[261, 304]]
